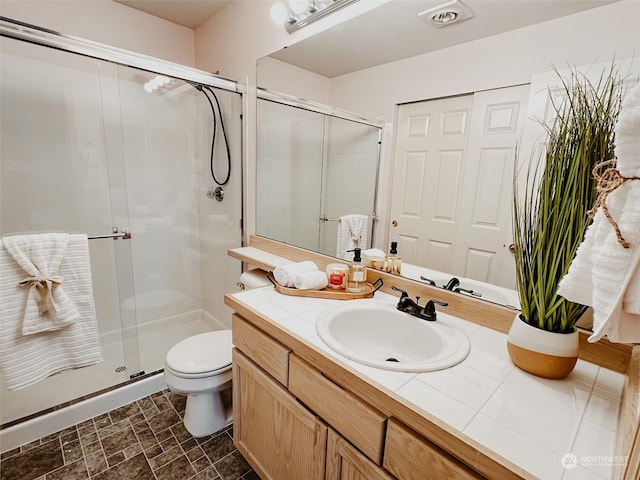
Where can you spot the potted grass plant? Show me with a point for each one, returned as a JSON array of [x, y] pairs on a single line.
[[550, 220]]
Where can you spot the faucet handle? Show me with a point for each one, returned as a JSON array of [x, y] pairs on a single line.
[[429, 311], [403, 293]]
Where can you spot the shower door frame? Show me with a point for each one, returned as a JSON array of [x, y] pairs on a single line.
[[330, 111], [47, 38]]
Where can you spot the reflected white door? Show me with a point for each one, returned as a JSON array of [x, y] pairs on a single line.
[[485, 227], [452, 183], [431, 146]]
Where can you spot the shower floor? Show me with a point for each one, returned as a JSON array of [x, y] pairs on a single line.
[[144, 440], [154, 341]]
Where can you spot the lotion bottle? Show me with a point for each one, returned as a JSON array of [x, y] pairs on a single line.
[[356, 274], [393, 261]]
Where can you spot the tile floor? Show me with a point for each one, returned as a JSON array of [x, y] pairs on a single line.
[[144, 440]]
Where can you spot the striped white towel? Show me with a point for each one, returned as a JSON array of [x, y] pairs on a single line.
[[27, 359], [40, 256]]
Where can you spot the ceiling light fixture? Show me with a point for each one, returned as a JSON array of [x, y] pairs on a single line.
[[299, 13], [451, 12]]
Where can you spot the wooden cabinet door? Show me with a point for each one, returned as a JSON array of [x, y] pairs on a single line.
[[345, 462], [280, 438]]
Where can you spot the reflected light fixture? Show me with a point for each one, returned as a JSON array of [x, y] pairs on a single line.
[[447, 13], [296, 14]]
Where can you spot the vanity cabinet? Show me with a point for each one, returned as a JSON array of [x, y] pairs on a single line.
[[345, 462], [291, 422], [275, 433]]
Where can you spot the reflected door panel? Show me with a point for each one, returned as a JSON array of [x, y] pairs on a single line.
[[452, 183], [430, 155]]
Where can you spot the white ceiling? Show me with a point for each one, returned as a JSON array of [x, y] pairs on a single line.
[[390, 32], [188, 13], [393, 31]]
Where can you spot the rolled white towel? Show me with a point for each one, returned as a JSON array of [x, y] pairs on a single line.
[[373, 252], [286, 274], [314, 280]]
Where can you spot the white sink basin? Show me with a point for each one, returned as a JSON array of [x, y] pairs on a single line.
[[374, 333]]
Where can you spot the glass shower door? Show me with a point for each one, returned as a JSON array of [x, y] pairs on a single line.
[[58, 174]]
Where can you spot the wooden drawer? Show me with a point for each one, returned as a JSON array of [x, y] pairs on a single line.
[[357, 421], [408, 455], [272, 356]]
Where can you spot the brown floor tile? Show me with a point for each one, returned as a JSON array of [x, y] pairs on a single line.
[[73, 471], [72, 452], [209, 474], [163, 420], [119, 441], [124, 412], [162, 403], [145, 440], [136, 468], [194, 453], [96, 462], [232, 466], [34, 462], [10, 453], [218, 447], [178, 468], [115, 459], [165, 457], [201, 463]]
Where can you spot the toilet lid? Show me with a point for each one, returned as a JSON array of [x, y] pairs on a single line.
[[201, 353]]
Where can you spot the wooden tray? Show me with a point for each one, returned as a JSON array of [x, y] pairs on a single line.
[[334, 294]]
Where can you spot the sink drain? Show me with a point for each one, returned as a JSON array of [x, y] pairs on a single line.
[[392, 359]]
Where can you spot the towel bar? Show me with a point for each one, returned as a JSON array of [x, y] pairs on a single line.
[[324, 218], [124, 234]]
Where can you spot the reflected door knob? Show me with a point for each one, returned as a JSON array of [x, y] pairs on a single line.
[[512, 248], [394, 224]]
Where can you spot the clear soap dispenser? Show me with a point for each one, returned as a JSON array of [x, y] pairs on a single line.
[[393, 261], [356, 274]]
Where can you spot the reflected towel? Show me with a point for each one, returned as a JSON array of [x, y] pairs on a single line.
[[352, 233], [48, 307], [603, 274], [286, 274], [27, 359], [315, 280]]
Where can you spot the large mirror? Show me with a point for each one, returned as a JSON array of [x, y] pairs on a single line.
[[478, 77]]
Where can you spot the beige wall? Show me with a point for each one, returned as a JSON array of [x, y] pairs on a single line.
[[108, 22]]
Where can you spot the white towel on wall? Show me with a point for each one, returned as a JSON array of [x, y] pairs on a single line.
[[605, 275], [27, 359], [352, 233], [40, 256]]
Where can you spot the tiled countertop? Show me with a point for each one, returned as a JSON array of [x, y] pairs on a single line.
[[531, 421]]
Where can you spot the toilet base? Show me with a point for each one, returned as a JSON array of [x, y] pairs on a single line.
[[205, 414]]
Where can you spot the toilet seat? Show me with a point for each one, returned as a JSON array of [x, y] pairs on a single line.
[[201, 355]]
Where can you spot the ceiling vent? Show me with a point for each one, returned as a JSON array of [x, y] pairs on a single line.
[[446, 14]]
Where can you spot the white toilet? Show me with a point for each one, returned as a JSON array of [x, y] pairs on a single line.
[[200, 367]]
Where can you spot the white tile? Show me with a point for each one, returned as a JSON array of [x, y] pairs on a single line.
[[513, 446], [298, 326], [272, 311], [488, 354], [533, 417], [462, 383], [595, 448], [468, 327], [299, 305], [584, 372], [603, 408], [433, 401], [610, 381], [563, 393], [580, 473]]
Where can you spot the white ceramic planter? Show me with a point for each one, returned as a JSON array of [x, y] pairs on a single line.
[[542, 353]]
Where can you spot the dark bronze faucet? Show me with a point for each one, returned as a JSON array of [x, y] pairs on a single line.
[[453, 283], [412, 307]]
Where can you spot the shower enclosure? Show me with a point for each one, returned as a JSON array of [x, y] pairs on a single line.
[[117, 146], [313, 167]]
